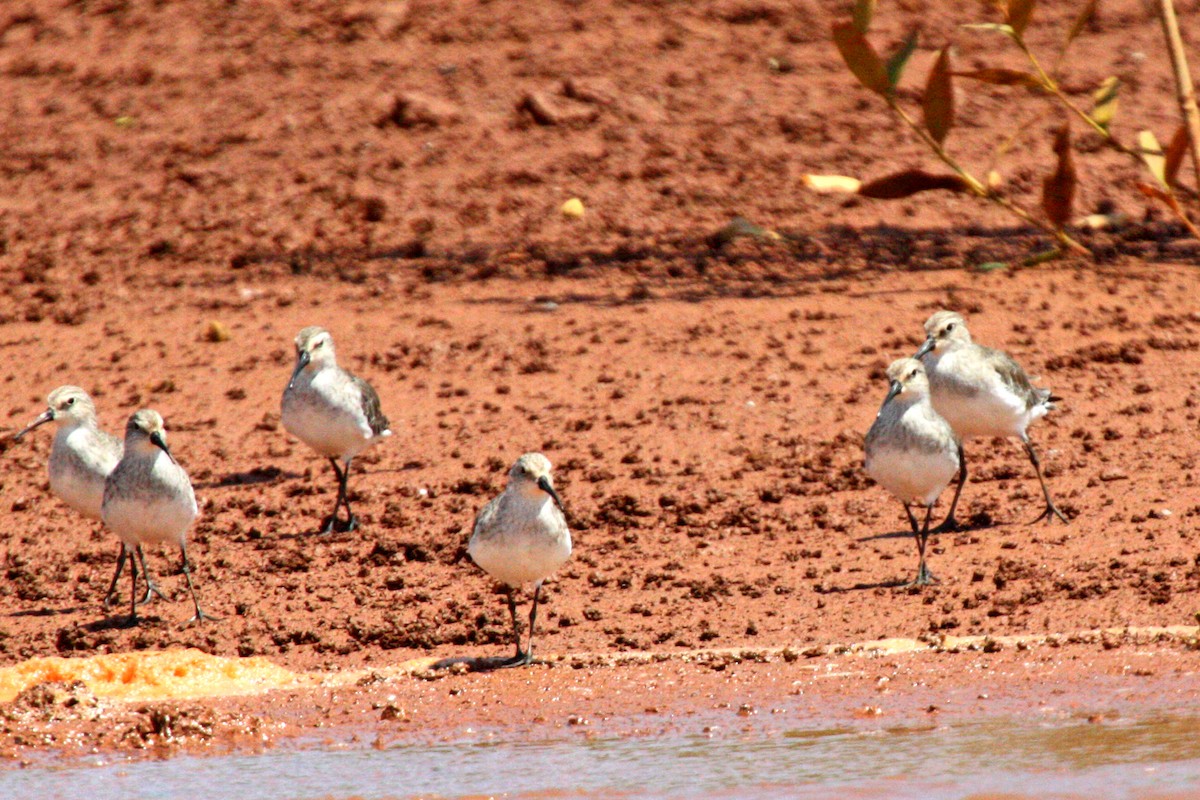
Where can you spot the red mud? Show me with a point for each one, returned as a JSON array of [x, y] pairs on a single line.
[[394, 172]]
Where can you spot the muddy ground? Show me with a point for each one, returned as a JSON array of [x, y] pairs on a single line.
[[184, 186]]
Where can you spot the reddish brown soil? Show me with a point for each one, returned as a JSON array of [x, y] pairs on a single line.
[[376, 169]]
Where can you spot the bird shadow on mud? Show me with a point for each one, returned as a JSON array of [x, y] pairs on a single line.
[[865, 587], [979, 522], [475, 663], [739, 259], [251, 477], [47, 612]]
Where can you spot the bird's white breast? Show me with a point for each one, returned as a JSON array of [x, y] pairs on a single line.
[[523, 542], [79, 463], [149, 503], [975, 400], [324, 410]]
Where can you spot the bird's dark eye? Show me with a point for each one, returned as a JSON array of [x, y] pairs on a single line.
[[912, 375], [950, 327], [70, 401]]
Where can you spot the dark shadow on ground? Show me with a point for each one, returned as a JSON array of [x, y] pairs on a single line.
[[737, 260]]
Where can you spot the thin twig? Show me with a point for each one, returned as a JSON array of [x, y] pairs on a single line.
[[1184, 88], [979, 189]]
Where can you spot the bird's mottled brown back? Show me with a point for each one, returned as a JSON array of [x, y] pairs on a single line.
[[370, 405]]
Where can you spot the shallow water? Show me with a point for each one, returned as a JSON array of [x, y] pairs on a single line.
[[1151, 757]]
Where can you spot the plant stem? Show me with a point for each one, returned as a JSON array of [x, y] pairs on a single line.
[[978, 188], [1051, 85], [1184, 88]]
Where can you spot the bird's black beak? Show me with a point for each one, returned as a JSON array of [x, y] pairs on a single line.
[[894, 388], [158, 441], [544, 484], [42, 419], [302, 359], [929, 344]]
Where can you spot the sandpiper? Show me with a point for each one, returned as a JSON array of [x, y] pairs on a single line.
[[911, 450], [332, 411], [81, 457], [148, 498], [521, 537], [981, 392]]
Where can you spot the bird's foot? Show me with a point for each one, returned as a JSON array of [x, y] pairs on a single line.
[[152, 590], [949, 525], [521, 659], [110, 600], [924, 578], [350, 524], [201, 616], [1050, 513], [131, 621], [328, 525]]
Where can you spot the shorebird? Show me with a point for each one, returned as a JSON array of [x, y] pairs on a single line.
[[148, 498], [332, 411], [911, 450], [521, 537], [981, 392], [81, 457]]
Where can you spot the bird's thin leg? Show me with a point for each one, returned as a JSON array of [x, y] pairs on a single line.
[[537, 592], [351, 520], [199, 616], [111, 594], [133, 617], [1051, 510], [330, 523], [519, 658], [920, 534], [924, 576], [950, 523], [151, 586]]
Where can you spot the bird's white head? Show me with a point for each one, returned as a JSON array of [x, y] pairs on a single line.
[[944, 330], [314, 351], [906, 379], [531, 476], [66, 405], [145, 432]]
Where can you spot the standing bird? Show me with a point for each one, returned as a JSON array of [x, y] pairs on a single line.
[[81, 457], [911, 451], [148, 498], [332, 411], [981, 392], [521, 537]]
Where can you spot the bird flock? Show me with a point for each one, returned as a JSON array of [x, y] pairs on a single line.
[[949, 391]]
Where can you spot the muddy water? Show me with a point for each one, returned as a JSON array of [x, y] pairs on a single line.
[[1156, 756]]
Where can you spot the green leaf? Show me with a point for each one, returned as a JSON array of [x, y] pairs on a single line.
[[1053, 254], [1152, 153], [938, 102], [895, 65], [1058, 188], [991, 266], [864, 10], [860, 57], [1104, 105], [1018, 14], [1003, 77]]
